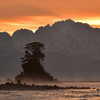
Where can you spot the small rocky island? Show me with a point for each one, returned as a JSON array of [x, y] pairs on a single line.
[[33, 70]]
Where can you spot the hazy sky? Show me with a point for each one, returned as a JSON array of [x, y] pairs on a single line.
[[30, 14]]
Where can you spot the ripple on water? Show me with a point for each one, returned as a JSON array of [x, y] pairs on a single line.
[[51, 95]]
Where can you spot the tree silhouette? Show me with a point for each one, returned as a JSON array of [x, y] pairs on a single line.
[[33, 51], [32, 64]]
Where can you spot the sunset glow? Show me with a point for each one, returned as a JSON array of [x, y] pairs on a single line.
[[30, 14]]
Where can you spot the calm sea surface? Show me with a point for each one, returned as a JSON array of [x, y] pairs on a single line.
[[71, 94]]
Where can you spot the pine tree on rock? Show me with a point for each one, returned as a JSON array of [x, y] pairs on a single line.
[[32, 64]]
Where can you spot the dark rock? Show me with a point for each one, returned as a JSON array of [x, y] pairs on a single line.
[[12, 86]]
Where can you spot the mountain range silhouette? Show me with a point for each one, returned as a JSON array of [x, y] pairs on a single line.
[[72, 50]]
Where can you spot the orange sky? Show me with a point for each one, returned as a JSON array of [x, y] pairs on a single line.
[[30, 14]]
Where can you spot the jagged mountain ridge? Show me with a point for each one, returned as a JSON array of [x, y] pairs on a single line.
[[68, 42], [68, 38]]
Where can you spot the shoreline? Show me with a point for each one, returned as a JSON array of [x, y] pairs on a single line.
[[15, 86]]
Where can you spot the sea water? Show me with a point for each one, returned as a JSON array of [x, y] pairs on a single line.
[[67, 94]]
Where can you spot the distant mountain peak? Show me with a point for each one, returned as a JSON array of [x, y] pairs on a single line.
[[70, 20], [47, 26], [22, 32], [4, 35], [71, 23]]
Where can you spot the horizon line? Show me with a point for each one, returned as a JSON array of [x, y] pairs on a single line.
[[76, 21]]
